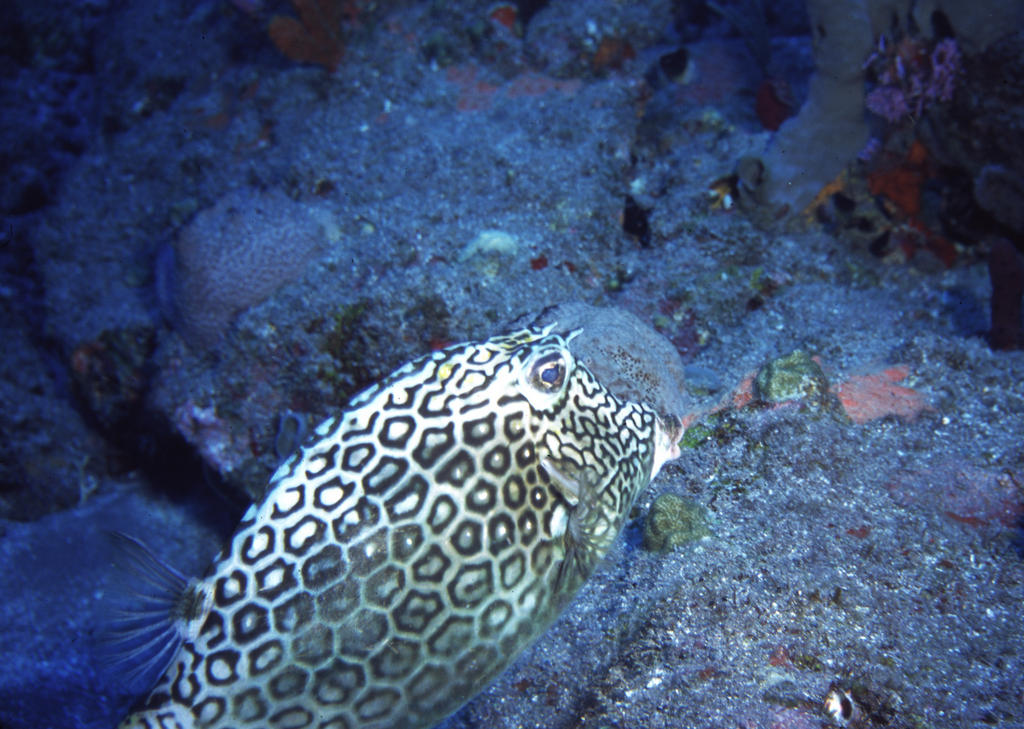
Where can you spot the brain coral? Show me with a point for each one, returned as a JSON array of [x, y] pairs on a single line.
[[232, 256]]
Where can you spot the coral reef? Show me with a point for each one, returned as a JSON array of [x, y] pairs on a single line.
[[50, 458], [912, 73], [589, 133], [110, 375]]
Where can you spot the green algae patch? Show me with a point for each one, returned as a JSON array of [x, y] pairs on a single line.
[[796, 376], [672, 522], [696, 435], [719, 429]]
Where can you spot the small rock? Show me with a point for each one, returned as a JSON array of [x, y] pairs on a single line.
[[490, 243], [793, 377]]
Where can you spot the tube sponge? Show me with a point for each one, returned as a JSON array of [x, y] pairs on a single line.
[[233, 256], [814, 146]]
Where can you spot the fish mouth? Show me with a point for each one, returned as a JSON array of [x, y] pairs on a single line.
[[668, 431]]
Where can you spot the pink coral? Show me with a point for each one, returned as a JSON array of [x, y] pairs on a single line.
[[945, 61], [888, 102], [911, 76]]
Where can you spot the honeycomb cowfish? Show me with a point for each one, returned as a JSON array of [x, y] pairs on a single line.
[[413, 547]]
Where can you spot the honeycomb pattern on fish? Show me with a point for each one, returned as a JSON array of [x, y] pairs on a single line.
[[413, 547]]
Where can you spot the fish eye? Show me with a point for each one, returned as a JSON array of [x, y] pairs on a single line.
[[548, 373]]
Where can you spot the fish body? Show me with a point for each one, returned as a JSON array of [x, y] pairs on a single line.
[[413, 547]]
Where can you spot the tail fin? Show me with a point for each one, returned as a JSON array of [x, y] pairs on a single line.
[[157, 609]]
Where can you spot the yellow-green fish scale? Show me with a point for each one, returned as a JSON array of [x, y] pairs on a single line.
[[414, 546]]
